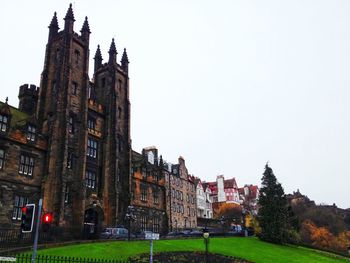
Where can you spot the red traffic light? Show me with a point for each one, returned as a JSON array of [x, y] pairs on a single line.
[[24, 209], [47, 218]]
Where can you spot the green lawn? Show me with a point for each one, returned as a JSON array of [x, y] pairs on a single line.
[[248, 248]]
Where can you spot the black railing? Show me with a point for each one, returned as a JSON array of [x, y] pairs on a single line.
[[27, 258], [13, 238]]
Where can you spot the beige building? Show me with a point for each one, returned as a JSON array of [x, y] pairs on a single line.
[[181, 197]]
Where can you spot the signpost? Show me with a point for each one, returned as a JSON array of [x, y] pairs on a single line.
[[151, 237]]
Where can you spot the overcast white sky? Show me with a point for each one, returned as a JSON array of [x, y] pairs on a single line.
[[229, 85]]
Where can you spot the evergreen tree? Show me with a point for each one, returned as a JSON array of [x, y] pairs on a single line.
[[273, 213]]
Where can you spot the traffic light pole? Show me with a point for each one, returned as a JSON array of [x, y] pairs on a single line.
[[35, 247]]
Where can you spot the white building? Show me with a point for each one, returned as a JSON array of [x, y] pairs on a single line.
[[204, 200]]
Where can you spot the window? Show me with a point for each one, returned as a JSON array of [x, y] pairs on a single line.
[[77, 56], [156, 225], [103, 84], [19, 202], [66, 195], [119, 85], [74, 88], [155, 197], [70, 160], [26, 165], [2, 158], [31, 130], [90, 179], [92, 148], [119, 112], [143, 193], [3, 122], [71, 125], [143, 222], [91, 124], [57, 55]]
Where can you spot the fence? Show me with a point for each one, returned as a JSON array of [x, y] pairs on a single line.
[[27, 258], [14, 238]]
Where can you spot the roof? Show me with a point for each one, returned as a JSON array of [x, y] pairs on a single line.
[[17, 117], [230, 183]]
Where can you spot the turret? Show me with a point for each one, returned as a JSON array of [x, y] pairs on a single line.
[[112, 53], [28, 98], [125, 62], [69, 20], [85, 30], [98, 59], [53, 27]]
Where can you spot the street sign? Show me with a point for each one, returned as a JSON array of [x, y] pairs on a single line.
[[152, 236]]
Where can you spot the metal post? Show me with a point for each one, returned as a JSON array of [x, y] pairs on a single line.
[[35, 247], [129, 229], [206, 250], [151, 251]]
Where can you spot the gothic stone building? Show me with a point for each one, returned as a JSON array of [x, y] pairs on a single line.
[[69, 140], [148, 192]]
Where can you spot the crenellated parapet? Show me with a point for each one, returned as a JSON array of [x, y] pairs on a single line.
[[28, 98]]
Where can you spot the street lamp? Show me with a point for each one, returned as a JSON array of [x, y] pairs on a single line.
[[129, 216], [206, 242]]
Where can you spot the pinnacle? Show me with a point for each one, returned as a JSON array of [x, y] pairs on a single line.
[[98, 52], [54, 22], [69, 15], [112, 49], [85, 27], [125, 57]]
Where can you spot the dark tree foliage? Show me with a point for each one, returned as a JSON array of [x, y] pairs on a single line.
[[273, 212]]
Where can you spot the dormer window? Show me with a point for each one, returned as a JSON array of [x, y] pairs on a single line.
[[31, 131], [3, 122]]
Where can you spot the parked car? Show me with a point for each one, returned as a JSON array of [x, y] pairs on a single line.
[[142, 235], [114, 233]]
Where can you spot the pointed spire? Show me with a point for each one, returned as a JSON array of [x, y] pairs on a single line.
[[125, 61], [125, 57], [98, 58], [69, 20], [54, 23], [53, 27], [98, 54], [85, 30], [6, 100], [112, 53], [85, 27], [112, 48], [69, 14]]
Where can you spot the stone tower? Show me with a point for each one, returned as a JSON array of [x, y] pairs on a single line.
[[87, 124]]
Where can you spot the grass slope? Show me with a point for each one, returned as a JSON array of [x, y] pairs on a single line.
[[248, 248]]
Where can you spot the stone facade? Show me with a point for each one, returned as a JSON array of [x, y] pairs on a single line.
[[181, 193], [81, 151], [148, 192]]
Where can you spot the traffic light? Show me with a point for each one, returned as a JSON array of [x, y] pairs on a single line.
[[28, 214], [47, 220]]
